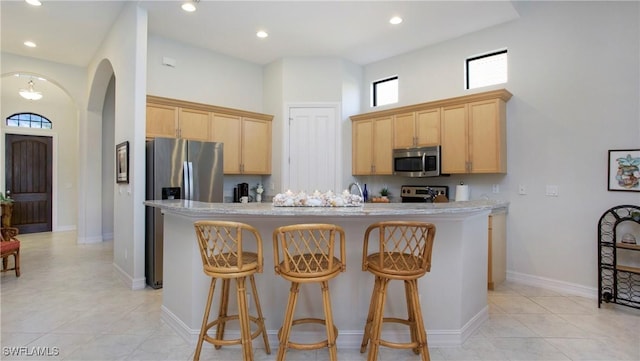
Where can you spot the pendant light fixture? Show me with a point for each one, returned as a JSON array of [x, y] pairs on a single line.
[[189, 5], [30, 94]]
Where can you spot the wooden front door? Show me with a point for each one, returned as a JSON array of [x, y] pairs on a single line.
[[28, 162]]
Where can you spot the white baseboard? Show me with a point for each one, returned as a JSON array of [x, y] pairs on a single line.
[[87, 240], [64, 228], [133, 284], [553, 285], [347, 339]]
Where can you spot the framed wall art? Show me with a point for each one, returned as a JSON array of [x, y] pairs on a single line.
[[122, 162], [624, 170]]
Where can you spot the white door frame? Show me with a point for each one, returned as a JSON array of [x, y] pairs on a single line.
[[285, 146]]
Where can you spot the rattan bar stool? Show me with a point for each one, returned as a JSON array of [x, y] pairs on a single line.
[[306, 253], [404, 253], [224, 257]]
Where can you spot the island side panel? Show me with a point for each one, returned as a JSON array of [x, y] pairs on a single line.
[[449, 298]]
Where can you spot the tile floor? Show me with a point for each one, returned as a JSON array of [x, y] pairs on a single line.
[[70, 305]]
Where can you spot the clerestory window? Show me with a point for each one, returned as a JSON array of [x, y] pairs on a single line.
[[385, 91], [28, 120], [487, 69]]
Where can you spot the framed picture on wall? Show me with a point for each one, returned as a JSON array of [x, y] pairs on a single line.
[[624, 170], [122, 162]]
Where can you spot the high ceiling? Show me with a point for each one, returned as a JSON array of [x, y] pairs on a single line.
[[70, 32]]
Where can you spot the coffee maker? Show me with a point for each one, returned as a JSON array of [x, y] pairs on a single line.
[[242, 190]]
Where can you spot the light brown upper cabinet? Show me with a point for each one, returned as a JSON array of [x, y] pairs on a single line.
[[455, 148], [162, 121], [246, 135], [416, 129], [247, 143], [470, 129], [177, 122], [372, 146], [474, 138], [194, 124]]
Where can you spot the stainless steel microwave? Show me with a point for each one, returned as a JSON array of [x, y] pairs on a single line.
[[417, 162]]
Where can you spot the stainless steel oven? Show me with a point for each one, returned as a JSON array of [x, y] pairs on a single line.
[[422, 194], [417, 162]]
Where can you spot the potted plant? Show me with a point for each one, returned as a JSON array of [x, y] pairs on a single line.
[[6, 206], [384, 195]]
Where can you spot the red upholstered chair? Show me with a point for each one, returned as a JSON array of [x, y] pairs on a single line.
[[10, 246]]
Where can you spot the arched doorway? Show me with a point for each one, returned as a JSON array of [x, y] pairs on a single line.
[[58, 106], [95, 218]]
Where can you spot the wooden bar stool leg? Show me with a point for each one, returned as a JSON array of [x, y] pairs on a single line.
[[243, 315], [285, 332], [378, 317], [372, 309], [421, 334], [222, 311], [413, 327], [260, 316], [205, 320], [331, 335]]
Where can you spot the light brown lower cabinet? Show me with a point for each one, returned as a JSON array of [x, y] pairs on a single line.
[[497, 268]]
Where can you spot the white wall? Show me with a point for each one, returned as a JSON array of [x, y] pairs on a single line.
[[273, 85], [352, 92], [203, 76], [125, 51], [574, 75], [108, 161]]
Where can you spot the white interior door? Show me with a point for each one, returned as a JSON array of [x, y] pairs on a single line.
[[314, 145]]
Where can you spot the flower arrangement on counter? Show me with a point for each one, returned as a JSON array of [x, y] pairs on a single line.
[[317, 199]]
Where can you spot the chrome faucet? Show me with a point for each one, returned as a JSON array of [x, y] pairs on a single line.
[[357, 186]]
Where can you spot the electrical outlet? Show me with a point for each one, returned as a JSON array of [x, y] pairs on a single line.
[[496, 188], [552, 190], [522, 189]]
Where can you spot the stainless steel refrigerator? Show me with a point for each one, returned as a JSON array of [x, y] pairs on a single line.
[[177, 169]]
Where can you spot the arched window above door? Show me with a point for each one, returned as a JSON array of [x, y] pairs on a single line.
[[29, 120]]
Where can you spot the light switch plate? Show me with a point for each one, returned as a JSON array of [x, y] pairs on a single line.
[[552, 190]]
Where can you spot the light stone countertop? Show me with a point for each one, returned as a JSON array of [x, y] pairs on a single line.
[[195, 208]]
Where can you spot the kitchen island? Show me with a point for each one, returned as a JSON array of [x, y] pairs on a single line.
[[453, 295]]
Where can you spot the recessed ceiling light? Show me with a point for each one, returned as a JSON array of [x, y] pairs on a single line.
[[30, 44], [262, 34], [189, 7], [33, 2], [395, 20]]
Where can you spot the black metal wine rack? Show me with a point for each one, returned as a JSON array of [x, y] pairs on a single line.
[[617, 283]]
